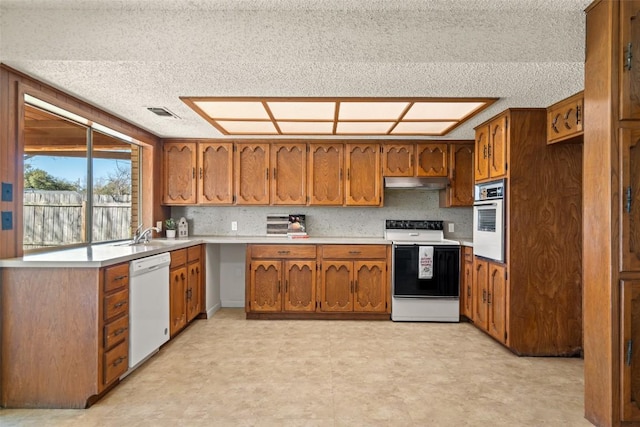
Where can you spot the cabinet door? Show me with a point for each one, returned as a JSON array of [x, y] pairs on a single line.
[[460, 190], [630, 350], [264, 286], [630, 57], [496, 301], [193, 292], [398, 160], [363, 175], [215, 173], [289, 174], [300, 286], [497, 151], [177, 299], [179, 173], [252, 174], [467, 294], [630, 190], [336, 286], [480, 278], [432, 159], [370, 286], [482, 153], [565, 119], [325, 174]]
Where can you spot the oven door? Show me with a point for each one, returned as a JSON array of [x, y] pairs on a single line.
[[488, 229], [444, 281]]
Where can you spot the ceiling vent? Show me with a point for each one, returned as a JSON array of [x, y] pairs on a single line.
[[162, 112]]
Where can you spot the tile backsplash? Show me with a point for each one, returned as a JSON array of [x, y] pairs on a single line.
[[329, 221]]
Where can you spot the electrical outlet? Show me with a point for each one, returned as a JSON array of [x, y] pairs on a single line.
[[234, 225], [159, 226], [7, 192], [451, 228], [7, 220]]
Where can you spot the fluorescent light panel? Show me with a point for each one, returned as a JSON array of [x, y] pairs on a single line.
[[317, 116]]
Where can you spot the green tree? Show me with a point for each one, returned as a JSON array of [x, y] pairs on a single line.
[[39, 179], [117, 183]]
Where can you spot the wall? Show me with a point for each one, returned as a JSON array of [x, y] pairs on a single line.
[[330, 221]]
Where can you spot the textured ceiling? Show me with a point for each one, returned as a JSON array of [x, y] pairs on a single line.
[[124, 56]]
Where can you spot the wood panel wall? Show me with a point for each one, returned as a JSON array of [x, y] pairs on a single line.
[[13, 85]]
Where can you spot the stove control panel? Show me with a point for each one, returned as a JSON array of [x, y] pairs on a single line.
[[407, 224]]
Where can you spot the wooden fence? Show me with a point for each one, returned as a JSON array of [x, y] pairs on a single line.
[[55, 218]]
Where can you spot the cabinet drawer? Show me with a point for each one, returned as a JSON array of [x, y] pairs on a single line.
[[116, 361], [116, 304], [116, 331], [283, 251], [178, 258], [116, 277], [354, 251], [193, 253], [468, 253]]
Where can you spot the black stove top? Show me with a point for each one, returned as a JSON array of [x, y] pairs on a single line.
[[408, 224]]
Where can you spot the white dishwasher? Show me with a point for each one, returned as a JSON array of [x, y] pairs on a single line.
[[148, 306]]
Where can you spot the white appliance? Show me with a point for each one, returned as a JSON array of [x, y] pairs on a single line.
[[148, 306], [488, 220], [414, 297]]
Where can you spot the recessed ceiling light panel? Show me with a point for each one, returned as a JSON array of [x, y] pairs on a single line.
[[441, 110], [371, 110], [364, 128], [246, 127], [302, 110], [233, 109], [422, 128], [306, 128]]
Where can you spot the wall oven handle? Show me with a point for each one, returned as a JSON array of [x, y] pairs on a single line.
[[482, 205]]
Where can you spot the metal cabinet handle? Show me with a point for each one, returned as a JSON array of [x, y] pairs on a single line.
[[484, 151], [120, 304], [119, 331], [124, 276], [484, 295], [283, 252], [200, 173], [355, 252], [118, 361], [488, 297], [578, 115]]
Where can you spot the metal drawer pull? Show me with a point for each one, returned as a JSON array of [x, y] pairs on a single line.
[[118, 361], [120, 277], [283, 252], [119, 331], [120, 304], [355, 252]]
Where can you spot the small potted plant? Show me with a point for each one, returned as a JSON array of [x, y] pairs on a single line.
[[170, 225]]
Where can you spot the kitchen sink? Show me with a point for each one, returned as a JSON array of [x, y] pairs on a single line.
[[152, 242]]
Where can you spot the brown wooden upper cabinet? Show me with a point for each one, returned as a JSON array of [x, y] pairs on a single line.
[[397, 159], [630, 57], [565, 119], [197, 172], [491, 149], [289, 174], [252, 173], [432, 159], [179, 176], [459, 192], [325, 174], [363, 183], [215, 173]]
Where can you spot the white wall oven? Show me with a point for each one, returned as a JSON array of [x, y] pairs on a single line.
[[488, 220]]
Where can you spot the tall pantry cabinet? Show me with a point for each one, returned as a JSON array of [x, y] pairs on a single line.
[[612, 213], [532, 302]]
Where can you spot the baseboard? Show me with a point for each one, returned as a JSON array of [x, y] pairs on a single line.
[[212, 310], [233, 303]]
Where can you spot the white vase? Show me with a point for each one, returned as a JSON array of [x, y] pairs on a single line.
[[171, 234]]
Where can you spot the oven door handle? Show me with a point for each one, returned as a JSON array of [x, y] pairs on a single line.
[[482, 205]]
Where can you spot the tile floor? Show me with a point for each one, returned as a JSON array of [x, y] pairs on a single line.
[[228, 371]]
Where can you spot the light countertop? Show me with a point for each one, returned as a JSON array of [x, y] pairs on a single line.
[[100, 255]]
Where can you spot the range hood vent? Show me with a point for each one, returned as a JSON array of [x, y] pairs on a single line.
[[423, 183]]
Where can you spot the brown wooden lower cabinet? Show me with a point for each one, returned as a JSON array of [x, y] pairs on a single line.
[[185, 287], [466, 283], [490, 302], [328, 281], [64, 334]]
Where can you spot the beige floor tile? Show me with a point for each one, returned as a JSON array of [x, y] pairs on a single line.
[[229, 371]]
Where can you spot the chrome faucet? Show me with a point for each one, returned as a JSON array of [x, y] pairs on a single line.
[[144, 236]]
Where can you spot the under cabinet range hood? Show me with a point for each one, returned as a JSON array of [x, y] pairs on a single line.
[[421, 183]]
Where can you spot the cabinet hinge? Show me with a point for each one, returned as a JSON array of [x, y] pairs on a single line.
[[629, 352], [628, 56], [628, 197]]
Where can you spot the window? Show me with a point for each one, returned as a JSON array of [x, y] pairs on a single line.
[[81, 180]]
